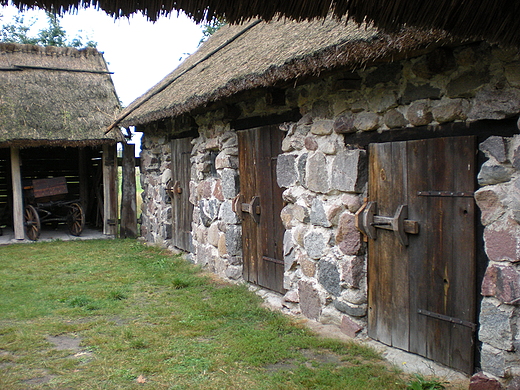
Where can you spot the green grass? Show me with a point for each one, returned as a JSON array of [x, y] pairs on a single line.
[[146, 319]]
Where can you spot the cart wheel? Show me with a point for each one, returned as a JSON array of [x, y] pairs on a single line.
[[76, 219], [32, 223]]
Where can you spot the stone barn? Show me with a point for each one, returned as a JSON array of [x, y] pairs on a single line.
[[55, 104], [371, 179]]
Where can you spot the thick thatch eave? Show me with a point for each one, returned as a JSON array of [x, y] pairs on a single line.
[[54, 96], [260, 54], [493, 20]]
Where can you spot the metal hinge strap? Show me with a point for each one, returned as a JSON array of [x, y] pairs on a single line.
[[443, 317], [273, 260], [469, 194]]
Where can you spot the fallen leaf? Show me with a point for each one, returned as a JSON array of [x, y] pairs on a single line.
[[141, 379]]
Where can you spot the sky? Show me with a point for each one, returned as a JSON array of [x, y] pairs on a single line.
[[140, 53]]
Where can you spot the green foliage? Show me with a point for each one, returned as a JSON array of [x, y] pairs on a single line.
[[18, 31], [53, 35], [211, 27], [421, 383]]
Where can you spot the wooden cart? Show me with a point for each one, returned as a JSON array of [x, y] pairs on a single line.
[[45, 203]]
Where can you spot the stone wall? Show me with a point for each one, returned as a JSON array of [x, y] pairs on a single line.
[[156, 210], [499, 200], [325, 183], [214, 184]]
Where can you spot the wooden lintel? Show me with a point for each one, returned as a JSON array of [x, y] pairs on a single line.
[[293, 115], [483, 129]]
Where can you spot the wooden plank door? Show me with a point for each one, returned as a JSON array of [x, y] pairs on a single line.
[[182, 209], [262, 229], [422, 296]]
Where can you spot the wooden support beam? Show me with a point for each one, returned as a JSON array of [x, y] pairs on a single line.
[[110, 190], [83, 180], [19, 231], [128, 227]]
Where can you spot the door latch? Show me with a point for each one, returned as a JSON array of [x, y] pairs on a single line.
[[252, 208], [173, 188], [367, 222]]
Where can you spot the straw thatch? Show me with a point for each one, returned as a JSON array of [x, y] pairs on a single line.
[[260, 54], [494, 20], [54, 96]]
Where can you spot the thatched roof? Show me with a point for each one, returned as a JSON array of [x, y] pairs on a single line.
[[260, 54], [494, 20], [54, 96]]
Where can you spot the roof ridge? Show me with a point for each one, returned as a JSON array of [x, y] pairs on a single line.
[[8, 47]]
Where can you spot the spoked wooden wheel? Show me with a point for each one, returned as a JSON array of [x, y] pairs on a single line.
[[32, 223], [75, 219]]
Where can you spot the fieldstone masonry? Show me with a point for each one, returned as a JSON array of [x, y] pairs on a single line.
[[325, 181], [499, 200]]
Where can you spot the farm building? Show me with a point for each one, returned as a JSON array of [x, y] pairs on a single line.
[[55, 104], [369, 178]]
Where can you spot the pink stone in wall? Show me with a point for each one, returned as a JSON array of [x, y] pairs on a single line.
[[502, 244], [480, 381], [349, 327], [348, 237], [489, 203], [502, 282], [217, 191]]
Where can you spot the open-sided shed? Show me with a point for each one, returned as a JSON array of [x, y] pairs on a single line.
[[54, 106], [269, 149]]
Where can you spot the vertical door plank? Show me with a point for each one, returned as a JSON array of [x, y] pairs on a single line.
[[271, 225], [441, 243], [388, 292], [462, 267], [182, 209], [419, 248], [400, 282], [247, 146]]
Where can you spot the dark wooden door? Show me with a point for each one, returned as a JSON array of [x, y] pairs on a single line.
[[260, 205], [182, 209], [422, 296]]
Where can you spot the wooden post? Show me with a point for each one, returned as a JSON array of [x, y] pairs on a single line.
[[19, 231], [128, 198], [110, 189], [83, 180]]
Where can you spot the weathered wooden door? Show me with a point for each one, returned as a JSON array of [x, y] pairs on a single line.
[[422, 293], [182, 209], [260, 205]]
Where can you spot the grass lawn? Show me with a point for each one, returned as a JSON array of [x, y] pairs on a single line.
[[116, 314]]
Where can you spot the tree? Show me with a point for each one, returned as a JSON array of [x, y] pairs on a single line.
[[52, 35], [17, 32], [211, 27]]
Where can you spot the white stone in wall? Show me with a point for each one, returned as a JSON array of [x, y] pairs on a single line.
[[226, 213], [316, 243], [213, 233], [348, 172], [317, 175]]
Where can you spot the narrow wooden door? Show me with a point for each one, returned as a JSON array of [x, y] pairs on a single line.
[[182, 209], [260, 205], [422, 296]]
